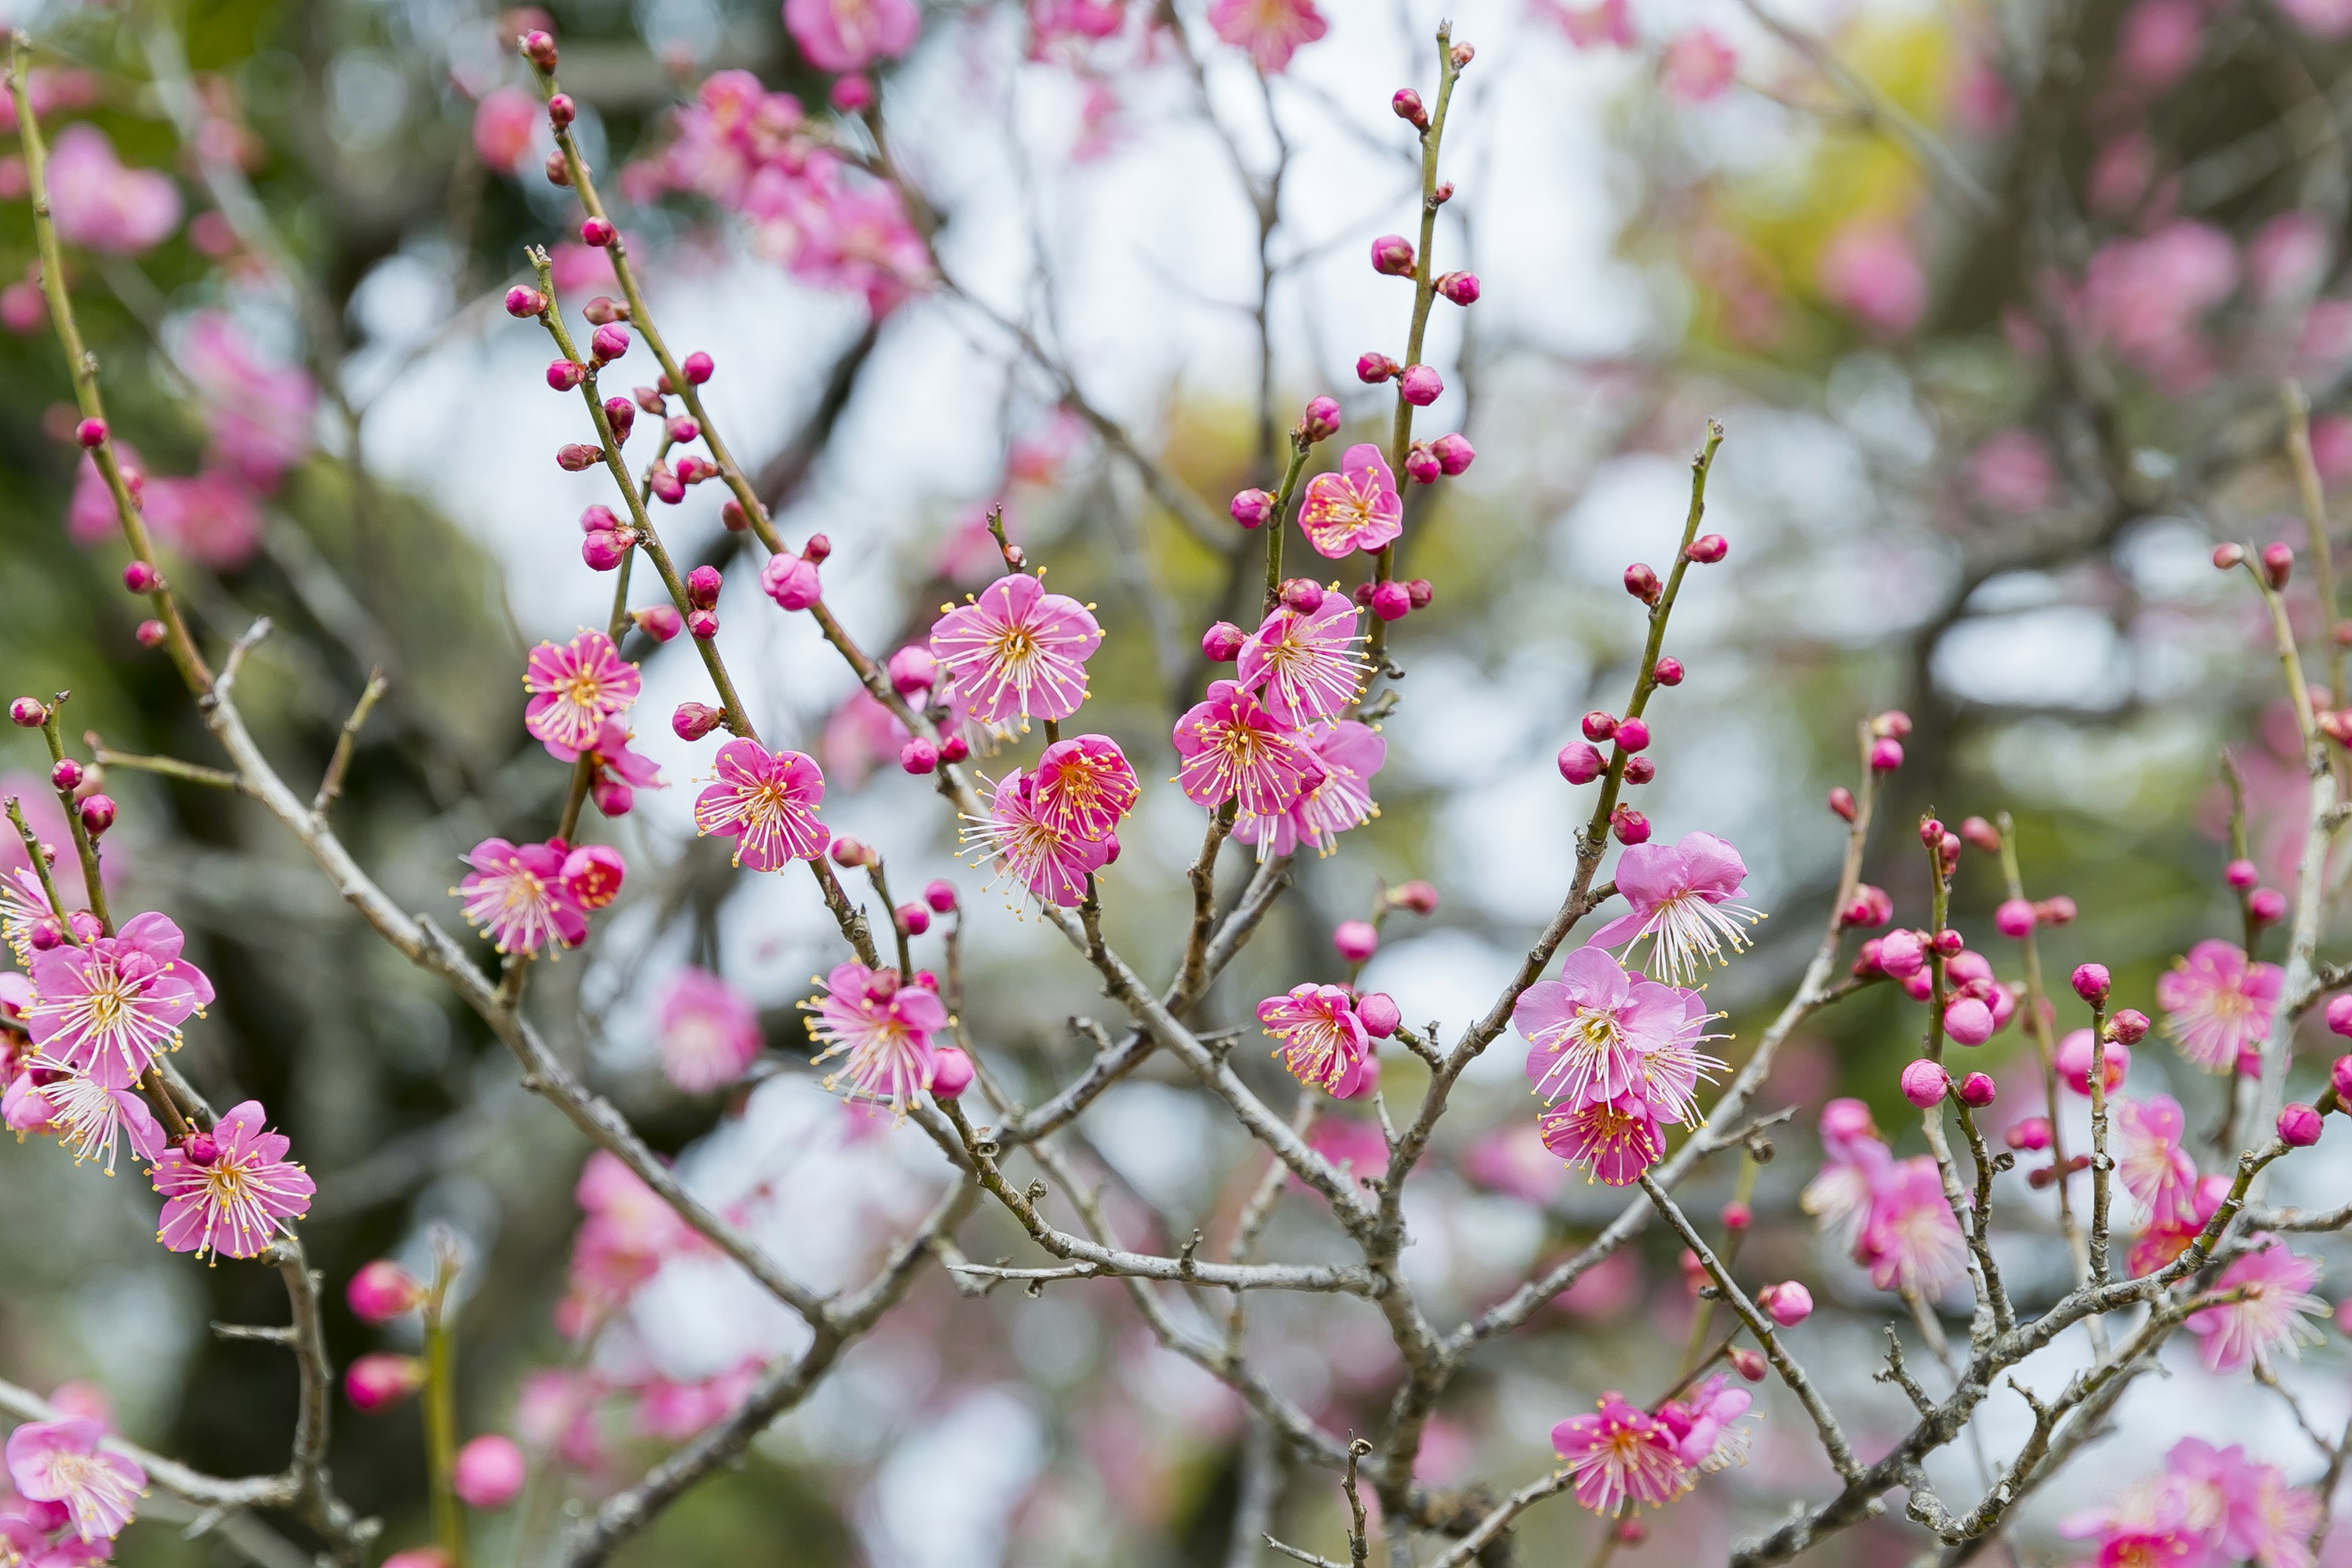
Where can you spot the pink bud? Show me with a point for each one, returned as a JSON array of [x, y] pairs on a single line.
[[1455, 454], [613, 797], [912, 919], [1639, 770], [702, 586], [151, 634], [1223, 643], [2091, 982], [564, 374], [1708, 548], [730, 516], [2299, 1125], [1421, 386], [2278, 563], [1632, 735], [1419, 591], [96, 815], [1377, 1012], [1901, 953], [604, 308], [605, 550], [941, 895], [1894, 723], [1885, 755], [1840, 798], [1979, 1091], [1461, 288], [622, 415], [1406, 105], [2074, 1062], [2226, 556], [1321, 419], [792, 581], [2267, 906], [1630, 825], [1355, 940], [1643, 583], [559, 171], [650, 400], [91, 434], [852, 94], [658, 622], [2130, 1026], [1418, 895], [1372, 369], [953, 749], [849, 852], [489, 1474], [911, 669], [1304, 595], [200, 1148], [703, 624], [574, 459], [2014, 918], [1393, 256], [524, 301], [919, 756], [2029, 1136], [2339, 1008], [383, 1290], [2241, 875], [1749, 1364], [598, 520], [609, 342], [27, 713], [950, 1072], [1969, 1022], [1787, 1303], [1869, 907], [597, 232], [1391, 601], [1599, 725], [684, 431], [65, 775], [1421, 464], [2339, 1076], [561, 111], [697, 367], [667, 488], [1580, 763], [1981, 834], [1924, 1082], [378, 1382], [1252, 507]]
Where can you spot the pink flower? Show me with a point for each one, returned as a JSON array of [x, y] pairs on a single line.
[[1271, 30], [1680, 897], [259, 414], [2150, 1161], [1350, 753], [1512, 1158], [100, 204], [574, 686], [1620, 1455], [214, 518], [1323, 1042], [617, 771], [1233, 748], [2159, 42], [1054, 866], [1356, 509], [1869, 270], [1910, 1242], [240, 1202], [709, 1034], [1701, 1424], [519, 897], [1053, 20], [851, 234], [1082, 786], [1588, 26], [61, 1462], [2145, 298], [91, 517], [627, 1234], [1597, 1033], [2218, 1006], [1016, 651], [765, 801], [850, 35], [1839, 1196], [1616, 1139], [111, 1005], [504, 123], [2244, 1510], [2074, 1062], [882, 1027], [93, 1119], [1697, 65], [2012, 472], [1351, 1143], [2276, 1283], [1305, 666], [2168, 1236]]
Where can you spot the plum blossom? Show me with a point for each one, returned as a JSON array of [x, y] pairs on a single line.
[[239, 1204], [766, 801], [62, 1462], [1054, 866], [855, 236], [1680, 901], [2276, 1283], [1350, 753], [1083, 785], [1910, 1242], [2150, 1162], [1016, 651], [628, 1232], [574, 686], [1597, 1033], [1271, 30], [1697, 65], [2144, 297], [1620, 1455], [2168, 1236], [1869, 270], [882, 1027], [851, 34], [517, 895], [93, 1119], [2012, 472], [2208, 1507], [23, 904], [1701, 1423], [2216, 1006], [1858, 1160], [1305, 665], [109, 1006], [100, 204], [259, 414], [710, 1033], [1356, 509], [617, 771], [1233, 748], [504, 124], [1323, 1041], [213, 517], [1616, 1139]]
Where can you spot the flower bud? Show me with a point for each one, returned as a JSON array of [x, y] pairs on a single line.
[[1901, 955], [667, 488], [561, 111], [604, 308], [97, 813], [697, 367], [27, 713], [2029, 1136], [1869, 907], [1748, 1364], [1580, 763], [65, 775], [1304, 595], [2014, 918], [378, 1382], [565, 374], [383, 1290], [953, 748], [1979, 1091], [488, 1473], [575, 458], [559, 168], [1252, 507], [622, 415], [2228, 555], [1406, 105], [1841, 799], [2128, 1027], [1967, 1021], [1380, 1014], [524, 301], [1393, 256], [1924, 1082], [919, 756], [850, 854], [2241, 875], [1421, 386], [151, 634], [912, 919], [1639, 770], [1420, 592], [607, 548], [1632, 734], [2339, 1012], [703, 623], [597, 232], [658, 622], [1885, 755], [1708, 548], [702, 586], [1599, 725], [1894, 724], [1418, 895], [1355, 940], [950, 1072], [539, 49], [609, 342], [2339, 1078], [1787, 1303], [1421, 464], [91, 434], [1462, 55], [1372, 369], [941, 895], [1223, 643], [2091, 982], [2056, 910], [1461, 288], [2299, 1125], [1455, 454], [1643, 583], [2266, 905], [1948, 943], [2278, 563], [1391, 601], [1981, 834], [2074, 1062], [613, 797], [1321, 421], [1630, 825]]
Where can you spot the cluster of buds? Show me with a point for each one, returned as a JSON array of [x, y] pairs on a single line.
[[1887, 731], [1976, 1007], [703, 585], [1925, 1083], [792, 581], [1448, 454], [605, 541], [1419, 385], [1390, 601]]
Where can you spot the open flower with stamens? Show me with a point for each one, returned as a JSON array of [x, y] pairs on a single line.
[[1681, 895], [1306, 666], [110, 1006], [1233, 748], [1356, 509], [1597, 1032], [93, 1120], [882, 1027], [1620, 1455], [2149, 1160], [1052, 866], [61, 1462], [709, 1032], [574, 686], [1323, 1041], [24, 903], [2274, 1290], [1083, 785], [619, 772], [766, 802], [1350, 753], [1615, 1140], [1910, 1242], [1016, 651], [2215, 1005], [1701, 1424], [1856, 1161], [240, 1202], [517, 895]]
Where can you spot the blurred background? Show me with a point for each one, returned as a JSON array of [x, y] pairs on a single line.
[[1994, 302]]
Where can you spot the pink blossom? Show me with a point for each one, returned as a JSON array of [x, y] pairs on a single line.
[[2217, 1005], [1052, 866], [577, 268], [1306, 666], [1607, 22], [709, 1034], [557, 1409], [1701, 1423], [90, 514], [1512, 1158], [2073, 1058], [1233, 748], [1350, 753], [1697, 65], [574, 686], [1869, 270], [109, 1006], [2287, 259], [2144, 297], [1616, 1139], [2122, 169], [1910, 1242], [851, 234], [100, 204], [259, 414], [616, 772], [214, 517], [1016, 651], [2150, 1161], [91, 1119], [2320, 18], [628, 1232], [2012, 472], [674, 1412], [2159, 42], [62, 1462], [505, 121], [519, 897], [1858, 1160], [240, 1202], [850, 35], [1082, 786], [1680, 897], [1620, 1455], [1356, 509], [1052, 20], [2168, 1236], [2276, 1283], [1271, 30], [2244, 1510], [765, 801], [1597, 1033], [882, 1027], [1323, 1041]]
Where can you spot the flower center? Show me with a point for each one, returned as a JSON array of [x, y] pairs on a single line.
[[1015, 648], [584, 688]]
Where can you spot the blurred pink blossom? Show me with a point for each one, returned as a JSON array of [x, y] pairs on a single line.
[[850, 35], [2287, 259], [2012, 472], [213, 517], [1698, 64], [258, 412], [2159, 42], [1868, 270], [2145, 298], [505, 121], [1271, 30], [103, 205], [2320, 18], [2121, 172], [1607, 22]]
